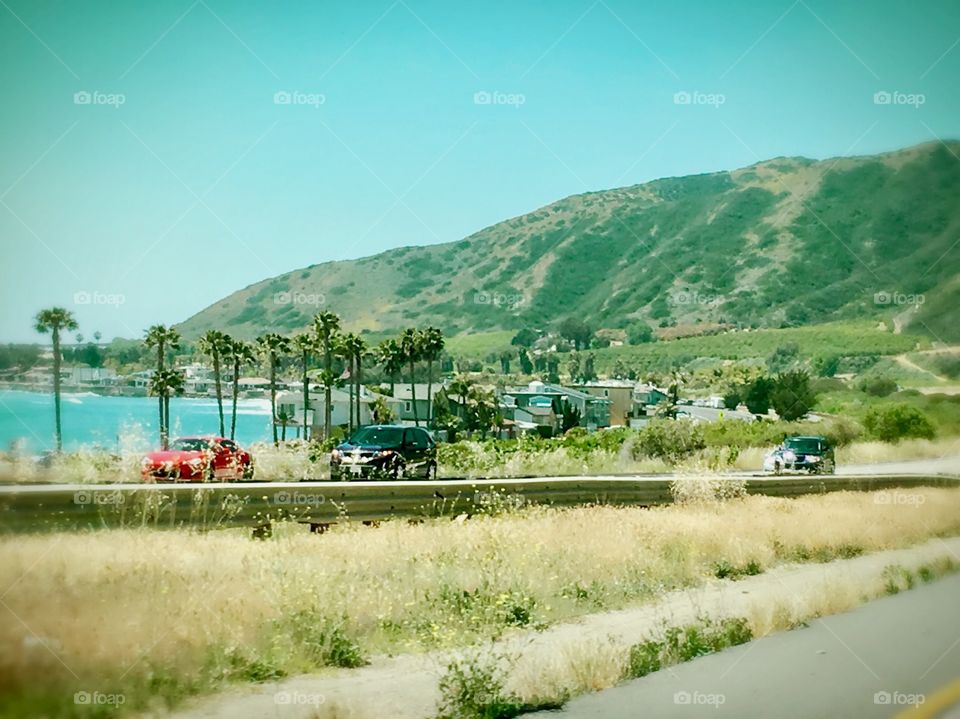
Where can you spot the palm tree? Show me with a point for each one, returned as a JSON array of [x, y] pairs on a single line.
[[461, 388], [53, 321], [326, 325], [163, 383], [163, 338], [411, 346], [284, 417], [354, 348], [273, 346], [216, 344], [241, 353], [390, 357], [305, 343], [431, 345]]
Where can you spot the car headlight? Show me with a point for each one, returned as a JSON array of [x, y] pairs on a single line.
[[813, 458], [336, 454], [789, 456], [384, 452]]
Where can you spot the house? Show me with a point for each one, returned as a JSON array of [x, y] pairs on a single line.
[[620, 392], [646, 394], [401, 392], [291, 403], [594, 411]]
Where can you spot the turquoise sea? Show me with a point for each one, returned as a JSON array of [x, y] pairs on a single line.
[[114, 423]]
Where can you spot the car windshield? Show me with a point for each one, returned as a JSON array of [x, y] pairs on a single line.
[[379, 436], [803, 445], [190, 445]]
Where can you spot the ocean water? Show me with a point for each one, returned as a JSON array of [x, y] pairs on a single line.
[[112, 423]]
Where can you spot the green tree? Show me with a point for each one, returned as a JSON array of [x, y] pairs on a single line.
[[273, 347], [305, 343], [757, 396], [382, 414], [164, 384], [216, 345], [326, 326], [577, 331], [505, 358], [389, 356], [589, 373], [410, 344], [784, 357], [431, 346], [525, 338], [791, 396], [893, 422], [640, 333], [56, 320], [354, 349], [460, 388], [526, 366], [162, 338], [241, 354]]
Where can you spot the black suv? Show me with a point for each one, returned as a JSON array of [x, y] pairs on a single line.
[[813, 454], [389, 451]]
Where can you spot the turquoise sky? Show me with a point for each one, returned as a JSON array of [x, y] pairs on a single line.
[[150, 167]]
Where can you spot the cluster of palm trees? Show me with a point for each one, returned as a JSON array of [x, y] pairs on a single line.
[[325, 339]]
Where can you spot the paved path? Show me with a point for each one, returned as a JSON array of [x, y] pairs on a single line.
[[876, 661]]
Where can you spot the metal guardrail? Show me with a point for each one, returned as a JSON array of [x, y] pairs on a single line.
[[38, 508]]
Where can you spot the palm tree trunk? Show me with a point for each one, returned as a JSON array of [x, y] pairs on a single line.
[[163, 432], [56, 387], [166, 418], [306, 394], [359, 383], [350, 393], [413, 396], [216, 379], [429, 392], [273, 398], [328, 367], [236, 391]]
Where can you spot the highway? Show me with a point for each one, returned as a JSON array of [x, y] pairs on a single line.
[[897, 656]]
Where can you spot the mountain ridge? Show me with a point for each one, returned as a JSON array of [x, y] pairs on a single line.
[[784, 241]]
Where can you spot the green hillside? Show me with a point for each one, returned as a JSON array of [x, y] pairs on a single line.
[[786, 242]]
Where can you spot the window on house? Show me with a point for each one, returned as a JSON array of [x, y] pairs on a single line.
[[406, 406]]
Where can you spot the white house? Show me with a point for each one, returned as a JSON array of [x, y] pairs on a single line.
[[292, 403]]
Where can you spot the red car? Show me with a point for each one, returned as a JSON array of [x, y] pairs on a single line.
[[198, 459]]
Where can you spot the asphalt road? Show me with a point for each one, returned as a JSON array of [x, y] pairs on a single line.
[[944, 465], [897, 655]]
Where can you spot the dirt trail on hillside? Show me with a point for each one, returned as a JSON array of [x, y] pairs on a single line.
[[405, 687]]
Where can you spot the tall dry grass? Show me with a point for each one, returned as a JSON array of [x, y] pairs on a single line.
[[164, 614]]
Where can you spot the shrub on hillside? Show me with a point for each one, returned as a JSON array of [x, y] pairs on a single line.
[[669, 439], [893, 422], [878, 386], [792, 396]]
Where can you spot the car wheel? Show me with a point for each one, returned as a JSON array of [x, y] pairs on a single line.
[[398, 470], [777, 468], [431, 472], [248, 471]]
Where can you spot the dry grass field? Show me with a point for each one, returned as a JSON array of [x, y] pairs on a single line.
[[159, 615]]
